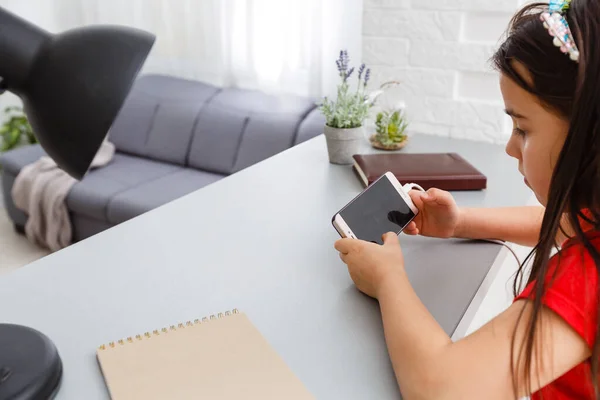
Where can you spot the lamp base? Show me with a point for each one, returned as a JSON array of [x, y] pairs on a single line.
[[30, 366]]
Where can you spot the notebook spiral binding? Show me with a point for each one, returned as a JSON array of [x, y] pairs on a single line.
[[156, 332]]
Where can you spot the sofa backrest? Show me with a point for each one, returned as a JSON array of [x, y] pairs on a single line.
[[193, 124], [158, 117]]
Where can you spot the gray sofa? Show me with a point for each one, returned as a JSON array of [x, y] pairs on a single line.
[[174, 136]]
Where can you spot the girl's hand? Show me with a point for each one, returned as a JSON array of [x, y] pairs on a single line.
[[370, 264], [439, 216]]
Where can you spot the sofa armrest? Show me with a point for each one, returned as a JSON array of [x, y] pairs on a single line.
[[311, 126], [14, 160]]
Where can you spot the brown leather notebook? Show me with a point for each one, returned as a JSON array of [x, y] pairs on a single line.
[[223, 357], [446, 171]]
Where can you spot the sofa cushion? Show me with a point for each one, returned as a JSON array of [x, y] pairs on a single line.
[[266, 134], [257, 101], [158, 117], [12, 161], [217, 139], [91, 196], [85, 227], [147, 196], [239, 128]]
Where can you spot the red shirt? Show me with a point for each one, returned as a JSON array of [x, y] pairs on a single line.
[[572, 294]]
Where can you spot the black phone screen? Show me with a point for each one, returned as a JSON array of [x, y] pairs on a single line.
[[378, 210]]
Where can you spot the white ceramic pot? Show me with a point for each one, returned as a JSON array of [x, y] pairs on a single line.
[[342, 144]]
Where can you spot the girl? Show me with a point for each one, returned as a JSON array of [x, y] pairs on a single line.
[[546, 344]]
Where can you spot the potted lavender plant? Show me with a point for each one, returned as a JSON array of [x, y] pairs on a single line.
[[346, 115]]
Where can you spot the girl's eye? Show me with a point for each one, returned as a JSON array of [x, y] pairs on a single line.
[[519, 131]]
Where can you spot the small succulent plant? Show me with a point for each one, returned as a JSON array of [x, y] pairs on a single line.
[[391, 127]]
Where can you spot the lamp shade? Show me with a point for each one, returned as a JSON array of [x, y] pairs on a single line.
[[72, 84]]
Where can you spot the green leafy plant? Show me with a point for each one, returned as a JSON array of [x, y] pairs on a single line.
[[351, 108], [16, 130], [391, 126]]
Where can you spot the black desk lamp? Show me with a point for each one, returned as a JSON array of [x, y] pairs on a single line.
[[72, 85]]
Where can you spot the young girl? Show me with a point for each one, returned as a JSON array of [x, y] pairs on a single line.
[[546, 344]]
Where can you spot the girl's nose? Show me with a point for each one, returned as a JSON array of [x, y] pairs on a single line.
[[512, 148]]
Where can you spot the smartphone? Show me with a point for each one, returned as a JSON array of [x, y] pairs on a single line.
[[382, 207]]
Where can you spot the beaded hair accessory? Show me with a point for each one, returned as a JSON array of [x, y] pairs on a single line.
[[558, 27]]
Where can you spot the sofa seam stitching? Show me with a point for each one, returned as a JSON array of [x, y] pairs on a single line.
[[208, 101], [109, 202], [150, 128], [239, 143], [300, 122]]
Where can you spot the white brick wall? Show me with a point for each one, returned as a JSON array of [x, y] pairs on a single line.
[[439, 50]]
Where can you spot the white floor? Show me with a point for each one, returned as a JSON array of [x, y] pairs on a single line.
[[15, 250]]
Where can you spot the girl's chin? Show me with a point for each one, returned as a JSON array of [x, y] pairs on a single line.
[[540, 199]]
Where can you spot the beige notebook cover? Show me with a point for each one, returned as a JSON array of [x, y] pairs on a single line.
[[220, 358]]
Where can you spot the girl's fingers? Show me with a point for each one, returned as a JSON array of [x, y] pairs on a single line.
[[415, 195], [411, 232], [440, 197], [411, 229]]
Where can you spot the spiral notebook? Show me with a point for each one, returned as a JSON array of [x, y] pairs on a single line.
[[223, 357]]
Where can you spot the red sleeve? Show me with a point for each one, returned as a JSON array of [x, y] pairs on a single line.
[[572, 289]]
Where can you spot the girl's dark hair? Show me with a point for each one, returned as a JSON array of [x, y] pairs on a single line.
[[571, 90]]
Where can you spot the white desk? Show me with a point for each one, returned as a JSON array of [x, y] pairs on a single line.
[[260, 241]]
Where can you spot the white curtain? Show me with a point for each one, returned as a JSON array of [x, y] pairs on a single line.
[[278, 46]]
